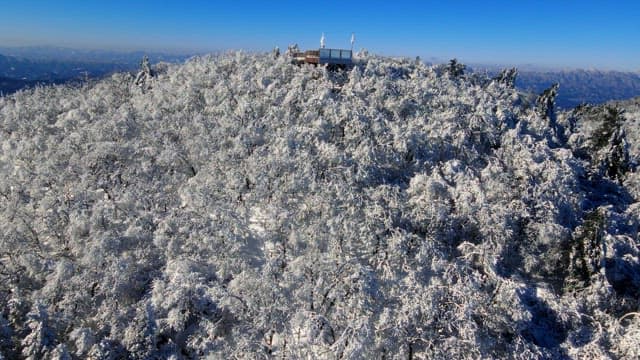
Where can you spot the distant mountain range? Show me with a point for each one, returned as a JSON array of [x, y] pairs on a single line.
[[576, 86], [22, 67], [49, 53], [27, 66], [38, 70], [583, 86], [9, 85]]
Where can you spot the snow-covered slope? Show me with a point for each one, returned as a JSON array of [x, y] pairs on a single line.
[[240, 206], [631, 110]]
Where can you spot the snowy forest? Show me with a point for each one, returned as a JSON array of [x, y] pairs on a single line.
[[239, 206]]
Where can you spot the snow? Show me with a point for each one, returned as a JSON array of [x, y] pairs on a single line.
[[239, 205]]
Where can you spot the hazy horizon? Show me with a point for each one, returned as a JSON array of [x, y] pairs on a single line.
[[586, 34], [476, 65]]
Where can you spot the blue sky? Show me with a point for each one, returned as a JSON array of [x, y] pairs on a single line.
[[571, 33]]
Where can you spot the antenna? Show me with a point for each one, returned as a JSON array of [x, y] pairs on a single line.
[[322, 40], [353, 40]]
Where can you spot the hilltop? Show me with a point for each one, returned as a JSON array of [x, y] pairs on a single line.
[[241, 206]]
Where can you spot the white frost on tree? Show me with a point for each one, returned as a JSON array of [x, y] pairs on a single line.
[[243, 206]]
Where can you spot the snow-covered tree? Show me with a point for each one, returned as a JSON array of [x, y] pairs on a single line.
[[40, 337], [246, 207]]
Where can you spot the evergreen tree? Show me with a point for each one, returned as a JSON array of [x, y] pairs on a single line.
[[455, 68]]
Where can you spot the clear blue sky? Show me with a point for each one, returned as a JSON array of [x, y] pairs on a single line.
[[571, 33]]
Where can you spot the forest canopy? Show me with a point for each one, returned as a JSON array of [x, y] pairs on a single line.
[[239, 206]]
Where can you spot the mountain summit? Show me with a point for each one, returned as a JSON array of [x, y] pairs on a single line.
[[242, 206]]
